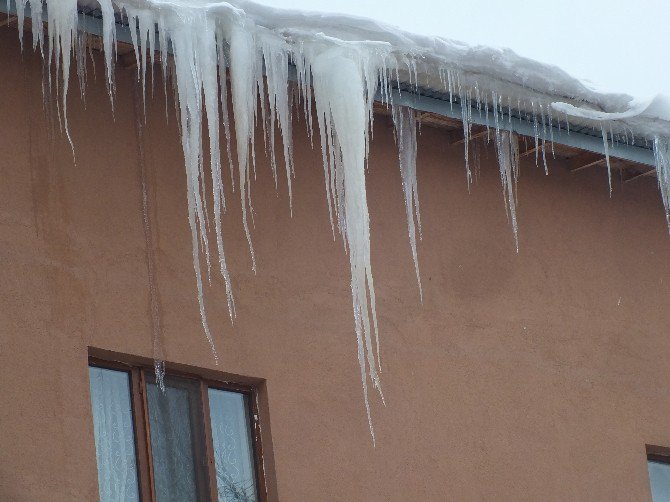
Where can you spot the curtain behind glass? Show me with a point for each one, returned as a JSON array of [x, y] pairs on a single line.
[[179, 459], [114, 438], [233, 455], [659, 477]]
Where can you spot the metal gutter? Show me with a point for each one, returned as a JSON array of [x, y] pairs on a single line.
[[86, 22], [444, 107], [525, 128]]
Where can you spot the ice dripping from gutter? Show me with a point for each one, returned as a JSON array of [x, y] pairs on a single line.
[[225, 115], [607, 158], [219, 51], [662, 157], [245, 74], [62, 40], [276, 58], [344, 80], [154, 306], [108, 40], [466, 111], [404, 120], [507, 148], [62, 24], [81, 52]]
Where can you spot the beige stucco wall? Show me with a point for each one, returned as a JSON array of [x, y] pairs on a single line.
[[531, 376]]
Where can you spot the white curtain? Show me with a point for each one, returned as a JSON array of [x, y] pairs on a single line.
[[172, 443], [114, 438], [659, 476], [233, 456]]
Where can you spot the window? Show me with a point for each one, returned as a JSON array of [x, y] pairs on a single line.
[[196, 440], [658, 464]]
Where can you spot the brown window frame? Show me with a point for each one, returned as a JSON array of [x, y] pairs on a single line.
[[659, 454], [137, 373]]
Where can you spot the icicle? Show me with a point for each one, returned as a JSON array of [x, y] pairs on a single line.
[[276, 57], [189, 88], [342, 108], [450, 78], [244, 76], [607, 158], [536, 135], [108, 43], [328, 173], [544, 140], [61, 30], [496, 123], [508, 161], [551, 132], [662, 159], [509, 110], [466, 117], [81, 41], [163, 45], [404, 120], [147, 33], [223, 96], [154, 307], [20, 17], [207, 50], [36, 11], [304, 74]]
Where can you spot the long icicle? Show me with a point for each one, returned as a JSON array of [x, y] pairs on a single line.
[[346, 122], [507, 146], [404, 120], [150, 256]]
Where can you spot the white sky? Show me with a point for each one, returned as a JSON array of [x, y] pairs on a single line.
[[617, 45]]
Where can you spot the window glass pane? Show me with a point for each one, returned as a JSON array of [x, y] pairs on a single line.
[[233, 455], [179, 459], [659, 476], [114, 438]]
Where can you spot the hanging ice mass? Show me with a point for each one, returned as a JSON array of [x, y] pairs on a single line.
[[262, 61]]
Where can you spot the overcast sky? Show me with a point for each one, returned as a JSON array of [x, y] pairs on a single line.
[[618, 45]]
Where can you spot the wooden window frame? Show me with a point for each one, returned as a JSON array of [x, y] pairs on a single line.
[[660, 454], [142, 428]]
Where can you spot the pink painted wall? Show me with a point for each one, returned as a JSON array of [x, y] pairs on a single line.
[[531, 376]]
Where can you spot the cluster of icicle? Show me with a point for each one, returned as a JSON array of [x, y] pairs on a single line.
[[216, 50], [215, 55]]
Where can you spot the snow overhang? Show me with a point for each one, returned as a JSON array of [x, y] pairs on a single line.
[[579, 131]]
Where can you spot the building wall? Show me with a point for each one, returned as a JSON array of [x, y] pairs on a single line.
[[531, 376]]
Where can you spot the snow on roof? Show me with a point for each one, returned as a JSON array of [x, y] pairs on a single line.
[[341, 65], [490, 68]]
